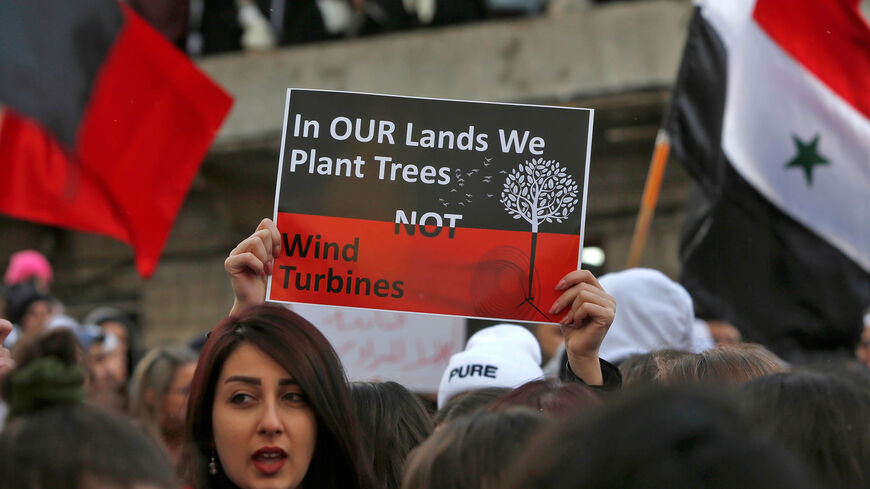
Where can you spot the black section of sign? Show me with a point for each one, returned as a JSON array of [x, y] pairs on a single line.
[[467, 182]]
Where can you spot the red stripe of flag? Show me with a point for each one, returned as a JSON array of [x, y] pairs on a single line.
[[829, 37], [152, 117], [40, 183], [148, 123]]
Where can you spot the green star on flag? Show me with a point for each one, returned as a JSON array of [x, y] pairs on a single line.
[[807, 158]]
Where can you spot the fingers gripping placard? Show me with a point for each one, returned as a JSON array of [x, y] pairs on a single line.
[[434, 206]]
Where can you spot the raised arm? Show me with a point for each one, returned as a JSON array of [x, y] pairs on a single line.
[[250, 263], [590, 312]]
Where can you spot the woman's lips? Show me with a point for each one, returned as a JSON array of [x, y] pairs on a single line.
[[269, 460]]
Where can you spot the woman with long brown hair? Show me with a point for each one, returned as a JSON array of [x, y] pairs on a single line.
[[270, 408]]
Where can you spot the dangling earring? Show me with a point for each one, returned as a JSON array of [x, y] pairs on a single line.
[[212, 465]]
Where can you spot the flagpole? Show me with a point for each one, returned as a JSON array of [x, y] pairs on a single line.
[[650, 197]]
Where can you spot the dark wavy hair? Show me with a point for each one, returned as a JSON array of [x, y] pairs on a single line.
[[80, 447], [297, 346], [472, 452], [467, 403], [823, 419], [393, 421], [682, 437], [552, 398]]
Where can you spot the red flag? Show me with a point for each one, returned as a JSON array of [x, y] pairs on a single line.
[[130, 149]]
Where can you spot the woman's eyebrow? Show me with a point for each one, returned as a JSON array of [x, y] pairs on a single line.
[[242, 378], [288, 382]]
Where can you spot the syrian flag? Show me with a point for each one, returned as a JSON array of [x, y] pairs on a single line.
[[106, 123], [771, 116]]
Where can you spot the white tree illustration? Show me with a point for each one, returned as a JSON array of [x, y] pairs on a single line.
[[539, 191]]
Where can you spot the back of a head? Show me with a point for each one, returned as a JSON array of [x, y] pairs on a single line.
[[822, 419], [468, 403], [80, 447], [393, 422], [656, 438], [472, 452], [49, 373], [61, 343], [19, 298], [728, 365], [552, 398], [52, 440], [836, 364], [646, 368]]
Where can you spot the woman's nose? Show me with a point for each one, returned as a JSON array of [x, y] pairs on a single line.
[[270, 423]]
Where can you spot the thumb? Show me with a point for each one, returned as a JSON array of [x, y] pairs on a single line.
[[5, 329]]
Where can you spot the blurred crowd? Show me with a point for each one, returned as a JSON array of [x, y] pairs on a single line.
[[203, 27], [631, 391]]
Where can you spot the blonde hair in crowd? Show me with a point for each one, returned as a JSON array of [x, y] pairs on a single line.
[[730, 365], [151, 381]]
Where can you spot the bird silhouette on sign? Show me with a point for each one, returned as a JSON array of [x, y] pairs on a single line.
[[475, 178]]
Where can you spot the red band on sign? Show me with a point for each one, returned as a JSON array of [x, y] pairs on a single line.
[[372, 264]]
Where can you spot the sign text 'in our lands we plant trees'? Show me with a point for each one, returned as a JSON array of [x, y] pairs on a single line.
[[432, 206]]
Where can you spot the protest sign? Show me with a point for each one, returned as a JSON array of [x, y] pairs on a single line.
[[431, 206], [410, 349]]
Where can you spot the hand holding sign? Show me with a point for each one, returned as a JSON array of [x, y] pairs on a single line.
[[586, 324], [250, 263]]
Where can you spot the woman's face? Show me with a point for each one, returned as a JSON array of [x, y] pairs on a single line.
[[264, 429], [175, 401]]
